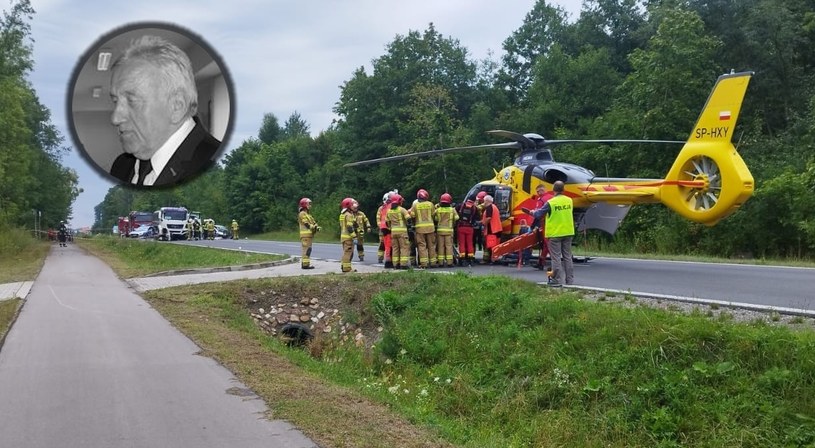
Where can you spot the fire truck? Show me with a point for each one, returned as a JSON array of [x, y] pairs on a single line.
[[132, 221], [170, 222]]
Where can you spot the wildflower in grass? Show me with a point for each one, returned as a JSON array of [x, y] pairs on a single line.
[[388, 361], [448, 381], [394, 390], [436, 379], [403, 352], [423, 393]]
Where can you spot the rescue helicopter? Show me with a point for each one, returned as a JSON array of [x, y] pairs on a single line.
[[707, 182]]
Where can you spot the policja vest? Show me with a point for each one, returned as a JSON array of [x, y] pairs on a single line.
[[560, 221]]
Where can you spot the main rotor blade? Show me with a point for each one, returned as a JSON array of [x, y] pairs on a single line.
[[563, 142], [526, 143], [509, 145]]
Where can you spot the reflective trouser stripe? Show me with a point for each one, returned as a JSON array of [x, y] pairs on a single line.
[[347, 253], [426, 244], [401, 250], [465, 242], [445, 248], [305, 250]]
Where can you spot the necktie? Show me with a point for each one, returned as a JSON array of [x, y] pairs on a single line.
[[144, 169]]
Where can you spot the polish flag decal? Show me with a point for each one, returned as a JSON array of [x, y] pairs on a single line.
[[724, 115]]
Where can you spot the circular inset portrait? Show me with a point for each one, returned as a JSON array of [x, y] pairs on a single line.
[[150, 104]]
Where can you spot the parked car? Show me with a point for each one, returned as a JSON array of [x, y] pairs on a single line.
[[221, 232], [143, 231]]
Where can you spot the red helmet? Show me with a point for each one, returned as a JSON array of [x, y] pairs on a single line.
[[396, 198], [305, 203], [423, 194], [346, 203], [446, 199], [480, 195]]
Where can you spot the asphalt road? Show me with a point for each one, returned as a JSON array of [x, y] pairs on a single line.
[[773, 286], [90, 364]]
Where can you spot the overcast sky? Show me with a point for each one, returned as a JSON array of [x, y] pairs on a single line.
[[284, 56]]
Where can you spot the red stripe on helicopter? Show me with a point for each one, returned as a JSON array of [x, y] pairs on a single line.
[[724, 115]]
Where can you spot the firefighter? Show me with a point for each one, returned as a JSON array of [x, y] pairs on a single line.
[[491, 219], [422, 212], [62, 234], [468, 216], [211, 228], [348, 232], [196, 227], [478, 234], [308, 227], [541, 199], [189, 229], [235, 230], [446, 218], [363, 227], [380, 221], [397, 218]]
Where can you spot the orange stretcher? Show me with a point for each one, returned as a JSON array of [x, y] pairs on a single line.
[[519, 243]]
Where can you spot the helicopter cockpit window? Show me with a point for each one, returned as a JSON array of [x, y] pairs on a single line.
[[490, 189], [503, 200], [543, 155]]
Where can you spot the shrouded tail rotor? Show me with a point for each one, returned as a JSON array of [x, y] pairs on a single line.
[[709, 180]]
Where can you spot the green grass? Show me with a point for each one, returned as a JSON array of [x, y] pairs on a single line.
[[21, 256], [134, 258], [8, 309], [490, 361]]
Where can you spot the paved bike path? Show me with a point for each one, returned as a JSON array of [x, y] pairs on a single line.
[[89, 363]]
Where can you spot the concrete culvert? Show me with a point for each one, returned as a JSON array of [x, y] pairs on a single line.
[[296, 334]]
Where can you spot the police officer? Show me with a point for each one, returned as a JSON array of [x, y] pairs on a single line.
[[308, 227], [559, 215]]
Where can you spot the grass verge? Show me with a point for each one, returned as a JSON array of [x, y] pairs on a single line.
[[491, 361], [135, 258], [332, 415], [21, 256], [8, 309]]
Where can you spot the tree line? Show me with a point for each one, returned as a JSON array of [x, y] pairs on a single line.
[[33, 182], [622, 69]]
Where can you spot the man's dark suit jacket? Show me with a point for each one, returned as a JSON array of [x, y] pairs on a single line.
[[193, 155]]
